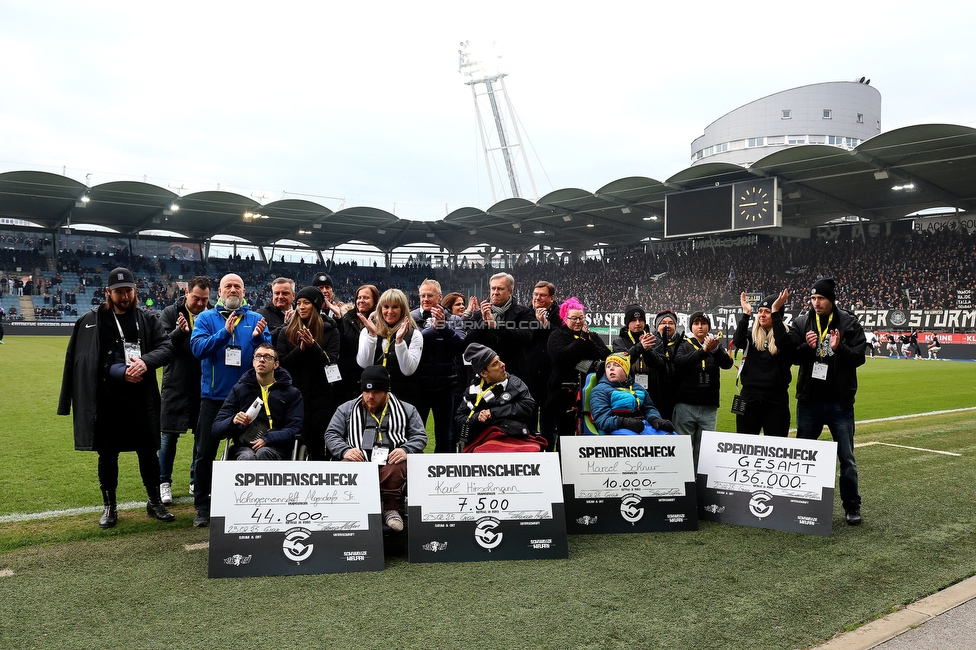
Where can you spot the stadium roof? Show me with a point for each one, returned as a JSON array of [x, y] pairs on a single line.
[[820, 183]]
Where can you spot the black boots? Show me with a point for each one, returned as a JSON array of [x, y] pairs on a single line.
[[110, 515], [155, 507]]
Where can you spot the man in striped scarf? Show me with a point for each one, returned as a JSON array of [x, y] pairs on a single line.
[[377, 427]]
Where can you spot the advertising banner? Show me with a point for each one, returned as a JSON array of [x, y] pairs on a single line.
[[294, 517], [628, 484], [767, 482], [479, 507]]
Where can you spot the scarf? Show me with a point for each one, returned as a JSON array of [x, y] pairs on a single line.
[[498, 311], [394, 425]]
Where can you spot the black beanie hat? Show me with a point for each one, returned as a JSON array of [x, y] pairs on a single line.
[[768, 301], [313, 295], [375, 378], [825, 288], [633, 312], [322, 279], [479, 356]]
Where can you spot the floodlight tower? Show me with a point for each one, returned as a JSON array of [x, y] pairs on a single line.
[[482, 68]]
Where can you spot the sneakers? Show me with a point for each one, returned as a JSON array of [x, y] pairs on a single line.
[[393, 519], [202, 519], [853, 516], [166, 493]]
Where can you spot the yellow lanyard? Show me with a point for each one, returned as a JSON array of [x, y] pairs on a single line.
[[386, 352], [267, 409], [823, 333], [191, 318], [695, 344], [233, 330], [480, 395], [379, 422]]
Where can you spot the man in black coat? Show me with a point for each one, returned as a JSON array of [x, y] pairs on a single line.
[[504, 326], [537, 356], [181, 380], [829, 346], [279, 310], [110, 379]]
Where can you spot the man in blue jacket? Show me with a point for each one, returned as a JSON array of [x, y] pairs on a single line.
[[224, 339], [270, 433]]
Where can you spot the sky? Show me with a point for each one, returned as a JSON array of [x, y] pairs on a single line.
[[361, 104]]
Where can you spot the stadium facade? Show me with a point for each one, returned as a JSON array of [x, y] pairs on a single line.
[[836, 113]]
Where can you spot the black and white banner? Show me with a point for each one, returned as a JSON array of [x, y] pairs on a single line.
[[294, 517], [628, 484], [477, 507], [767, 482]]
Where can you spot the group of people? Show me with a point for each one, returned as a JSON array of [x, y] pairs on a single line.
[[357, 381]]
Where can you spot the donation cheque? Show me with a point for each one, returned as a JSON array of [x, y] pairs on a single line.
[[477, 507]]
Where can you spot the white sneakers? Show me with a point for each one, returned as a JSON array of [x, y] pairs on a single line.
[[166, 493], [393, 519]]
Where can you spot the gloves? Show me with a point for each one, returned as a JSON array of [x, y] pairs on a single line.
[[634, 424], [662, 425]]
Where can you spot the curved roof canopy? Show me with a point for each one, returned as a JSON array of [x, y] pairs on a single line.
[[820, 183]]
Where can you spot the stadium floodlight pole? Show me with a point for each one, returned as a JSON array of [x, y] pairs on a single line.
[[483, 68]]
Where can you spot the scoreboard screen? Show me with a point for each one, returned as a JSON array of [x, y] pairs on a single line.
[[698, 212]]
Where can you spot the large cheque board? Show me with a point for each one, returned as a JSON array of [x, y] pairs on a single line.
[[628, 484], [478, 507], [294, 517], [767, 482]]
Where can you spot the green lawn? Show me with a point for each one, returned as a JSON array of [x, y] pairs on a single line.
[[69, 584]]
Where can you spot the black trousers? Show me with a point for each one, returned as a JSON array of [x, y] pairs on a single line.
[[767, 413]]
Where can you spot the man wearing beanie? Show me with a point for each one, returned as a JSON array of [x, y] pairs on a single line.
[[829, 344], [495, 398], [377, 427], [330, 308], [669, 339], [637, 342], [699, 362]]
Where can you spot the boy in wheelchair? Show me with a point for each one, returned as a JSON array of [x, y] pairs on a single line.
[[619, 406]]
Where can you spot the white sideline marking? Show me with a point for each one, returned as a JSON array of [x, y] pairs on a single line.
[[133, 505], [888, 444], [32, 516], [196, 547], [6, 573]]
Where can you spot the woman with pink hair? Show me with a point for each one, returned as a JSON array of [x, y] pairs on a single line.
[[568, 346]]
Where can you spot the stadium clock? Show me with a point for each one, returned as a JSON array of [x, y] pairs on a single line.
[[754, 204]]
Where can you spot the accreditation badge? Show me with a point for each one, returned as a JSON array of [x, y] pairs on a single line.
[[641, 378], [379, 455], [132, 352], [332, 373], [232, 356], [819, 370]]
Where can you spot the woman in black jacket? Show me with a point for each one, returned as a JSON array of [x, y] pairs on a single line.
[[568, 345], [349, 326], [765, 370], [308, 349]]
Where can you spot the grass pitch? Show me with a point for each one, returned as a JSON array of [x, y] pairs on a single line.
[[69, 584]]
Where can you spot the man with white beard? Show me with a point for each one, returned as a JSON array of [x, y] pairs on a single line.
[[224, 339]]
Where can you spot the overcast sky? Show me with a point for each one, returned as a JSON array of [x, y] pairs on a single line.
[[364, 102]]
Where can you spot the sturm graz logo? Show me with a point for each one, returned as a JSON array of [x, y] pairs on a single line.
[[294, 546], [898, 318], [485, 535], [629, 508], [759, 504]]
